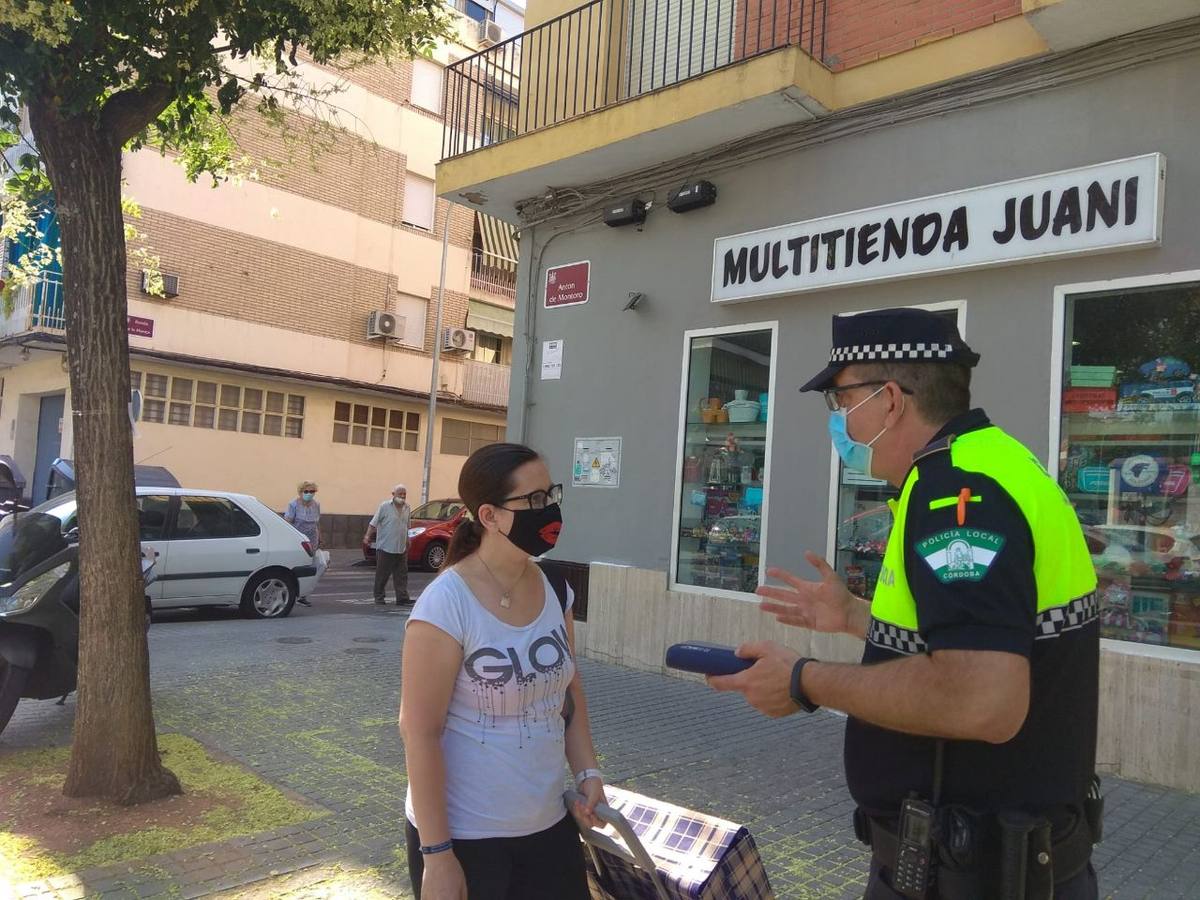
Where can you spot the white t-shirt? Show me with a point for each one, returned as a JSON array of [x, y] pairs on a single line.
[[504, 742]]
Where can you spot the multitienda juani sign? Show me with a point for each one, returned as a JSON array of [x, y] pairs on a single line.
[[1100, 208]]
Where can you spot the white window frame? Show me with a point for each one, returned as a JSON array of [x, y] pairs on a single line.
[[420, 98], [960, 306], [677, 507], [1058, 331], [406, 217]]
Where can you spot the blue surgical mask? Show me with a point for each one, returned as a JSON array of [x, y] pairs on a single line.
[[855, 454], [308, 495]]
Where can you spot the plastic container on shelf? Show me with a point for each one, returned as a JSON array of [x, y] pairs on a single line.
[[742, 410], [1093, 376]]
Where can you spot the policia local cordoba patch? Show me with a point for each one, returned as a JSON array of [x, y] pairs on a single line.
[[960, 554]]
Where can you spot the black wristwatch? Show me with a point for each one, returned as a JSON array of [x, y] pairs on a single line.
[[796, 691]]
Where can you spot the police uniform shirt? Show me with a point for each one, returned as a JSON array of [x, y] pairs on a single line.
[[982, 596]]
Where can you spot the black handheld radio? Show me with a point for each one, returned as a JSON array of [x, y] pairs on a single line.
[[914, 856]]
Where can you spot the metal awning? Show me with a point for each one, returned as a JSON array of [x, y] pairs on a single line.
[[499, 243], [492, 319]]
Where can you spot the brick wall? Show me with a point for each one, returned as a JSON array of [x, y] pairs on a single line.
[[859, 31], [764, 25], [349, 172], [454, 315], [230, 274], [344, 171], [390, 80]]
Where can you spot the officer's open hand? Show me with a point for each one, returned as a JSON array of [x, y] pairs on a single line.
[[766, 685], [825, 605]]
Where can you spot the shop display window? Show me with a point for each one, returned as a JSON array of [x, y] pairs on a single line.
[[1129, 457], [724, 461]]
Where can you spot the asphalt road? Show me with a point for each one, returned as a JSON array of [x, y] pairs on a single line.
[[186, 643]]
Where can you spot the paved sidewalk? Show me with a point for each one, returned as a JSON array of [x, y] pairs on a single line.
[[311, 704]]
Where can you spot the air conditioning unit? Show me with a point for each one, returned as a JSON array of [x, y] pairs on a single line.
[[458, 339], [383, 324], [490, 32], [170, 283]]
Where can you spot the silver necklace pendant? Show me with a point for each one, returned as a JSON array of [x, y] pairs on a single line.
[[505, 596]]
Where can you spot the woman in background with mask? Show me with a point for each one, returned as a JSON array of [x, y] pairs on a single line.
[[304, 514], [488, 663]]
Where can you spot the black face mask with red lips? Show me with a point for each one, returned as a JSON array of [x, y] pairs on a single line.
[[536, 530]]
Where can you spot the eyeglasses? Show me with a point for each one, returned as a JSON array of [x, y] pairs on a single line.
[[539, 499], [833, 394]]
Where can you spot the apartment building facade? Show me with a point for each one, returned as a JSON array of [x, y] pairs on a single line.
[[704, 184], [297, 334]]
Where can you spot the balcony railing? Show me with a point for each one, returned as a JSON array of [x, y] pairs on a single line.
[[36, 306], [493, 275], [485, 383], [610, 51]]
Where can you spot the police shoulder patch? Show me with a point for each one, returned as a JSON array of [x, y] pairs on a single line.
[[960, 554]]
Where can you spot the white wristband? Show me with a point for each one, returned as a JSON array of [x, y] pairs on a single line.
[[581, 777]]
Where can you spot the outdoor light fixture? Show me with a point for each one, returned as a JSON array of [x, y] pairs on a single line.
[[693, 195], [635, 297], [631, 212]]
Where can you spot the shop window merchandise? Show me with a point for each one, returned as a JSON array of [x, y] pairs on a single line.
[[1130, 455], [724, 460]]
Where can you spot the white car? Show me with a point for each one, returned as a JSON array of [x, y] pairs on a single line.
[[216, 548]]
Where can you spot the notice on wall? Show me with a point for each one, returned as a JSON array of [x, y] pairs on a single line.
[[597, 462], [568, 285], [552, 358], [1096, 209]]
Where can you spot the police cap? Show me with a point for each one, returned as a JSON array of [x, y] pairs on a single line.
[[893, 335]]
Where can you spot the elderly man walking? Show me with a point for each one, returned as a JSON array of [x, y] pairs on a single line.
[[389, 532]]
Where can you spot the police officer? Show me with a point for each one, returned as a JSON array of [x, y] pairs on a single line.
[[970, 745]]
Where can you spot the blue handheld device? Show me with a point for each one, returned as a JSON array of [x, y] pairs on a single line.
[[706, 658]]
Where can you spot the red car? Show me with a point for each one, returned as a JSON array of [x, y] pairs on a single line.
[[429, 531]]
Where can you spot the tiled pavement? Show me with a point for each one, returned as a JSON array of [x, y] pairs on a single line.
[[318, 718]]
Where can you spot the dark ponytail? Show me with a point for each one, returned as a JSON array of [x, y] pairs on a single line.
[[465, 541], [486, 477]]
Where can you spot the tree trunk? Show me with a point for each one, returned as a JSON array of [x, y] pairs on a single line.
[[114, 754]]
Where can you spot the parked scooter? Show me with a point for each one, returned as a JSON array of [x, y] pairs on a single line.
[[39, 610], [8, 507]]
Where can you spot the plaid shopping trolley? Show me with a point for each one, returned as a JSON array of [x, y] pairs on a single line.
[[651, 850]]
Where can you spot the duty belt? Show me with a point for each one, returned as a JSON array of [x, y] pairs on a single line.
[[1005, 856]]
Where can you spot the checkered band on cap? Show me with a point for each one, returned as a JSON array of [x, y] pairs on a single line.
[[1076, 614], [868, 352], [893, 637]]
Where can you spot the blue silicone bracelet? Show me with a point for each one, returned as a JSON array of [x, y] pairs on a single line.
[[437, 848]]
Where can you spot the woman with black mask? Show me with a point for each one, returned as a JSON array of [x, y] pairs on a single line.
[[488, 670]]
